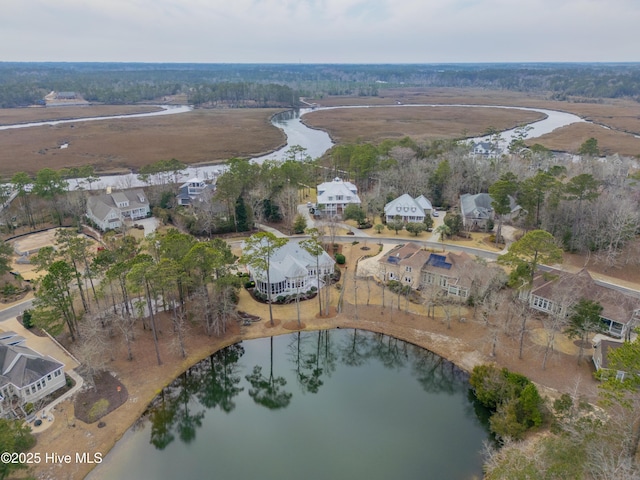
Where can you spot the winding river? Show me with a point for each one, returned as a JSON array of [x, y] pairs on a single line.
[[358, 405], [315, 142]]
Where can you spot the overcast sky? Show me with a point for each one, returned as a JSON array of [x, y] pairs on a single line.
[[320, 31]]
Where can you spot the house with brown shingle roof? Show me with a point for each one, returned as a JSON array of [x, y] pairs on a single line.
[[557, 292], [404, 264], [601, 349], [450, 271], [457, 274]]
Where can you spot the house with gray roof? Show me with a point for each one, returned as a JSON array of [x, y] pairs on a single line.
[[25, 375], [485, 149], [409, 209], [292, 270], [192, 190], [110, 210], [477, 212]]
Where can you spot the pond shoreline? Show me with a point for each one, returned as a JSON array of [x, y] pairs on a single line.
[[143, 387]]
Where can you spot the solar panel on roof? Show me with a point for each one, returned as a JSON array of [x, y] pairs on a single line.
[[439, 261]]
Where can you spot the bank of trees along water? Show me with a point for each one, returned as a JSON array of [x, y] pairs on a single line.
[[585, 443]]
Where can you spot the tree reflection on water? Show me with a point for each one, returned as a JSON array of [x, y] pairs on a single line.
[[216, 382]]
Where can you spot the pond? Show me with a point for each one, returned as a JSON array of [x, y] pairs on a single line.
[[313, 405]]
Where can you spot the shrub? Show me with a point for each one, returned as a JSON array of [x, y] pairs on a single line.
[[98, 410], [27, 319], [9, 289], [340, 259], [515, 400]]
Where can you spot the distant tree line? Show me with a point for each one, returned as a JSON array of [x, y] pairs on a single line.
[[239, 94], [24, 84]]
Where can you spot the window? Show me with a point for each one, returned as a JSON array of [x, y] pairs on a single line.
[[407, 269], [49, 377]]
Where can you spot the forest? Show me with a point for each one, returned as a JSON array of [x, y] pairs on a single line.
[[23, 84]]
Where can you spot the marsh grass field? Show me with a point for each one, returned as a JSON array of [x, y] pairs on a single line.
[[119, 145], [617, 121], [209, 136], [420, 123]]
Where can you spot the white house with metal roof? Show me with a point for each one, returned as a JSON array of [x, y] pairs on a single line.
[[334, 196], [408, 208], [292, 270], [25, 375]]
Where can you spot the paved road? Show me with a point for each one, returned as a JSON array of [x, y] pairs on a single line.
[[15, 310]]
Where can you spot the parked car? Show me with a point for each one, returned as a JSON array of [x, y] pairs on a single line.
[[435, 213]]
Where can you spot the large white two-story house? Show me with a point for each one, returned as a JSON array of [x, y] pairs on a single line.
[[409, 209], [110, 210], [25, 375], [334, 196], [292, 271]]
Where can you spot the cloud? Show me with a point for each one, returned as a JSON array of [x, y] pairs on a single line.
[[320, 30]]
